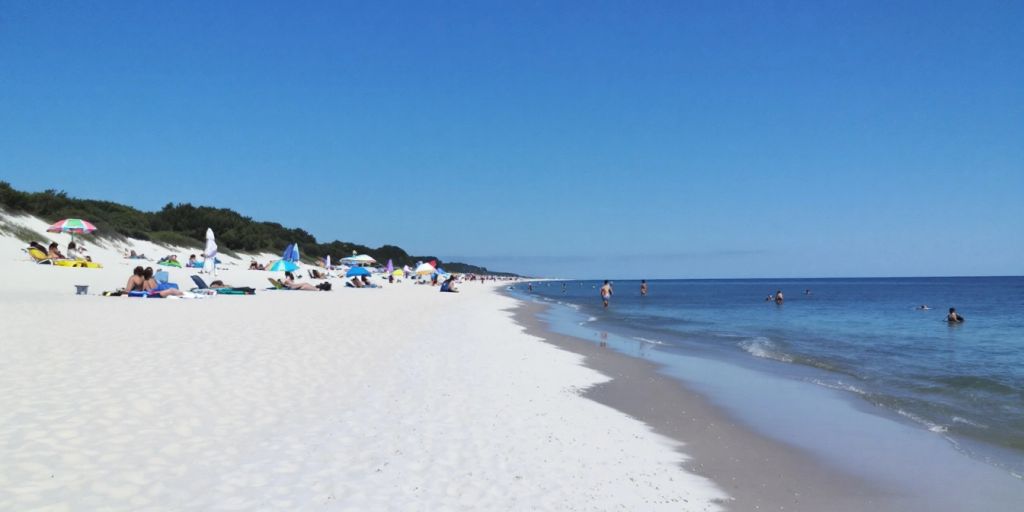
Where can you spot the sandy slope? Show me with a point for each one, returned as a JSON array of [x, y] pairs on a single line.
[[394, 399]]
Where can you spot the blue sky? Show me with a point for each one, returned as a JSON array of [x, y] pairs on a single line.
[[575, 139]]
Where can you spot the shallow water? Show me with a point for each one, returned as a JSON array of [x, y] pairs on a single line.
[[862, 336]]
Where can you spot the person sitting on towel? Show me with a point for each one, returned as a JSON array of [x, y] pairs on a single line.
[[137, 282], [155, 288]]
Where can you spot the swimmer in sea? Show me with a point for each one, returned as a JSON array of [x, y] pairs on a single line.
[[778, 297], [953, 317], [643, 288], [923, 307]]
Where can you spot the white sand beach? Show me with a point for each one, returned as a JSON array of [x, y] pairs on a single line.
[[399, 398]]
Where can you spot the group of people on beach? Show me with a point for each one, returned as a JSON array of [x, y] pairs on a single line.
[[144, 280], [74, 251]]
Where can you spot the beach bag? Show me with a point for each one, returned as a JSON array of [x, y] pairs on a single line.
[[324, 286]]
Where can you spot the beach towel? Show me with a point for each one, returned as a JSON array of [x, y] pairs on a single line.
[[202, 287], [144, 295]]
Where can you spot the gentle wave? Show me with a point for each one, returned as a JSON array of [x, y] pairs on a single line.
[[763, 347], [931, 426], [965, 421], [648, 340], [839, 385]]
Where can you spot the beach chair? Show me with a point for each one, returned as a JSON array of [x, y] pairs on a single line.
[[39, 256], [278, 285], [201, 287]]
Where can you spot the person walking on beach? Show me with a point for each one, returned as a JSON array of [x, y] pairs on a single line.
[[778, 297], [643, 288], [606, 293]]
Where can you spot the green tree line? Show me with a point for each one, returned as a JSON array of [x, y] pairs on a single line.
[[185, 224]]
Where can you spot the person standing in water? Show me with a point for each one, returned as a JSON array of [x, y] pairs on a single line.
[[606, 293], [643, 288], [953, 317], [778, 297]]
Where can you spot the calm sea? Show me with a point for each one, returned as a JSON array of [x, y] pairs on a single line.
[[866, 337]]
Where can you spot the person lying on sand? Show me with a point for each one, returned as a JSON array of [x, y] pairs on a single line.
[[289, 281], [130, 254], [161, 289], [356, 282]]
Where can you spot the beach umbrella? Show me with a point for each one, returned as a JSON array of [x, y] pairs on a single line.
[[357, 271], [327, 262], [291, 253], [441, 271], [425, 269], [391, 267], [210, 253], [398, 273], [71, 226], [211, 244], [283, 266], [362, 259]]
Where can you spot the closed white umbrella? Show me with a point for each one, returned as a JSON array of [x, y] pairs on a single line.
[[210, 253]]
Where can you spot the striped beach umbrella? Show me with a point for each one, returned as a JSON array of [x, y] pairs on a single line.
[[71, 226]]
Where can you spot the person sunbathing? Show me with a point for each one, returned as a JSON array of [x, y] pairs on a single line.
[[367, 283], [54, 252], [289, 282], [356, 282], [137, 282], [154, 288], [254, 266]]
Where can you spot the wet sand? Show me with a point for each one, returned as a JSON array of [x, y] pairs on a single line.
[[758, 473]]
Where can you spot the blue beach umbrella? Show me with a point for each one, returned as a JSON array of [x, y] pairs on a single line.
[[283, 266], [357, 271], [291, 253]]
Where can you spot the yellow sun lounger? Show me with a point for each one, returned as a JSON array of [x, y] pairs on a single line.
[[40, 258]]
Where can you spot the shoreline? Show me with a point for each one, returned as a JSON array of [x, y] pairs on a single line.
[[758, 473], [822, 446]]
